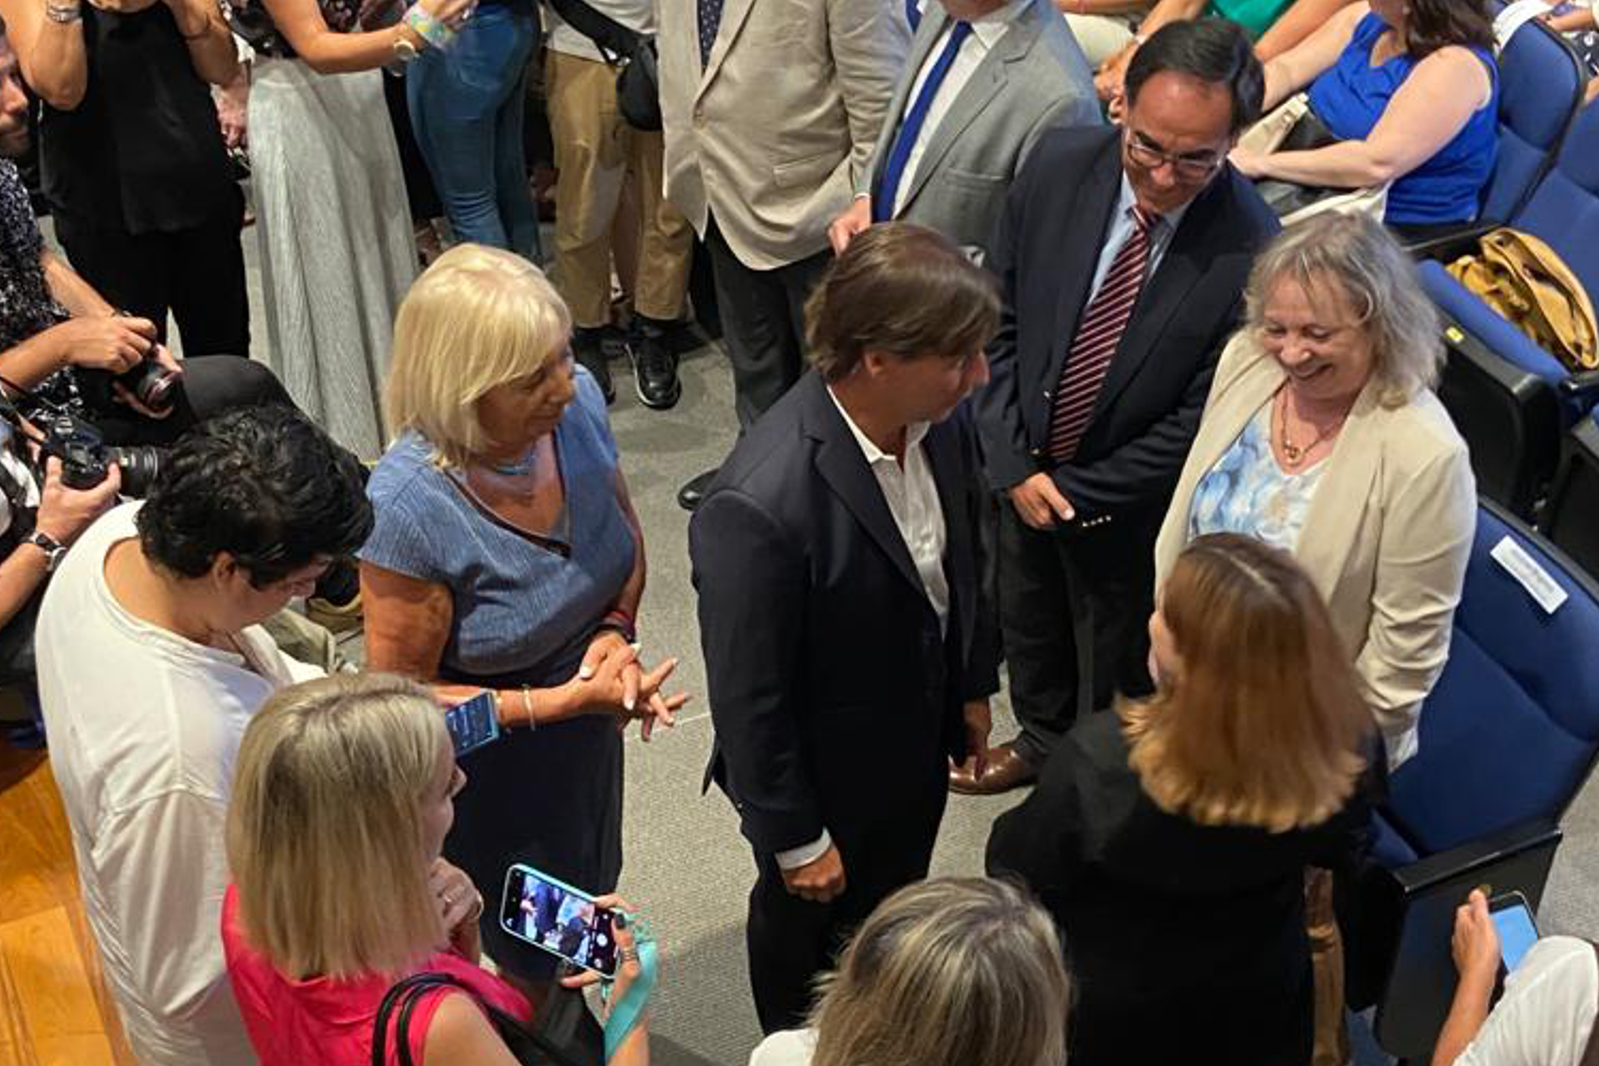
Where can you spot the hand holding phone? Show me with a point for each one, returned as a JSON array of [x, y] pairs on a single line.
[[1512, 920], [473, 723], [555, 917]]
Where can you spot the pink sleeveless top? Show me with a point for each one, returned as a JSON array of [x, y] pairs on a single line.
[[321, 1022]]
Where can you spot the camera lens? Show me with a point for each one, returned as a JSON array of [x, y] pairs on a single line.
[[153, 385], [139, 469]]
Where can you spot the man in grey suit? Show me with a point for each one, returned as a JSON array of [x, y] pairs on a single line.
[[984, 79], [770, 109]]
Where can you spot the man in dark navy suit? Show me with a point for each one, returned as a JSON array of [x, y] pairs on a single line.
[[1123, 254], [848, 650]]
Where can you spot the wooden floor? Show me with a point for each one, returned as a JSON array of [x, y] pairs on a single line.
[[54, 1009]]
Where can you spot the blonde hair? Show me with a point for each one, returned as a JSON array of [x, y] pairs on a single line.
[[324, 832], [477, 318], [1264, 724], [1358, 257], [947, 972]]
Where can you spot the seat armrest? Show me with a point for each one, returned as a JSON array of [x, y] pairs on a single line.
[[1447, 244], [1581, 386], [1477, 854]]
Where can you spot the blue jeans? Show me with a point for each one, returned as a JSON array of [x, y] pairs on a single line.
[[466, 103]]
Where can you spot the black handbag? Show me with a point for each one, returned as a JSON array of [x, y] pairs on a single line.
[[564, 1034], [1285, 197], [638, 83]]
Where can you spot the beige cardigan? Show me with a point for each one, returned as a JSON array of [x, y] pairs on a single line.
[[1387, 536]]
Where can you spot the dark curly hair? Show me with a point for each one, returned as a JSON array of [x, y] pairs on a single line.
[[263, 484]]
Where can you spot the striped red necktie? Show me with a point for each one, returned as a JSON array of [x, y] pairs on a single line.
[[1098, 334]]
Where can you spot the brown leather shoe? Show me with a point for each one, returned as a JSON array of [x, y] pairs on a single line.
[[1003, 770]]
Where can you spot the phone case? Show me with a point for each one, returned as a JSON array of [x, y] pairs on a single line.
[[510, 927]]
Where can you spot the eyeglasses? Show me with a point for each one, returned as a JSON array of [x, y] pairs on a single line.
[[1187, 167]]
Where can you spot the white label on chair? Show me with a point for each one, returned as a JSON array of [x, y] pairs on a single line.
[[1532, 577]]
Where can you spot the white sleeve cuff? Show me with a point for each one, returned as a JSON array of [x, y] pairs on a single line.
[[805, 854]]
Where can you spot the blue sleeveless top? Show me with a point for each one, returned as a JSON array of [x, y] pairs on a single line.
[[1351, 96]]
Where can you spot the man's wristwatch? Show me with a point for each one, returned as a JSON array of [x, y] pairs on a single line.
[[63, 13], [53, 549]]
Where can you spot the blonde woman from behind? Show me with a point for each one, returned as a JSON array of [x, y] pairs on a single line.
[[947, 972]]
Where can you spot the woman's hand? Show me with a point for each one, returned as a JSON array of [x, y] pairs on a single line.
[[459, 904], [1475, 944], [66, 512], [104, 342], [616, 684], [627, 967], [1110, 76]]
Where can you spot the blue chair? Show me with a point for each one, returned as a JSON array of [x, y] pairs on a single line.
[[1571, 517], [1540, 88], [1563, 211], [1508, 736]]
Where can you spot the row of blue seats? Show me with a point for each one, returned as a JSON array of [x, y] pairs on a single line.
[[1511, 732], [1530, 422]]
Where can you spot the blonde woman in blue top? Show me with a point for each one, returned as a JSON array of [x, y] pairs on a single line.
[[506, 555]]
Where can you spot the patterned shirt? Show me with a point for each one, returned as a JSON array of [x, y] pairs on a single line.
[[26, 306], [1247, 492]]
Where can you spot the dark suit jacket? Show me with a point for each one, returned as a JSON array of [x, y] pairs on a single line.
[[835, 699], [1187, 942], [1049, 241]]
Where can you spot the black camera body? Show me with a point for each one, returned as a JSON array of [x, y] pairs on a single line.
[[86, 458]]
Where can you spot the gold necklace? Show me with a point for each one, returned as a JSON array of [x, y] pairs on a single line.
[[1294, 454]]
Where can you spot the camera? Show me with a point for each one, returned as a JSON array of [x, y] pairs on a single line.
[[150, 383], [86, 458]]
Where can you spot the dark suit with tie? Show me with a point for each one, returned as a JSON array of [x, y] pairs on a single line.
[[836, 698], [1074, 601]]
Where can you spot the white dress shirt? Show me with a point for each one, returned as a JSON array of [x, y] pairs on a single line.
[[986, 33], [912, 498]]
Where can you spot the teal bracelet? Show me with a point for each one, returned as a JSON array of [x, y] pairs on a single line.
[[430, 29], [624, 1014]]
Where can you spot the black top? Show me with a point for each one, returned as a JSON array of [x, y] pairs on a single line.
[[1187, 942], [143, 151]]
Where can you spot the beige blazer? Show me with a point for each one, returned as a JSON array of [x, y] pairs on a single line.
[[1387, 536], [775, 133]]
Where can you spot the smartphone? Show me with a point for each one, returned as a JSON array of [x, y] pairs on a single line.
[[473, 723], [1517, 931], [562, 920]]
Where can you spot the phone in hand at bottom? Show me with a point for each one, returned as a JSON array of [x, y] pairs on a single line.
[[1512, 919], [563, 920], [473, 723]]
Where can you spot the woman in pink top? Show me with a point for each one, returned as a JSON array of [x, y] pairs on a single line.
[[343, 794]]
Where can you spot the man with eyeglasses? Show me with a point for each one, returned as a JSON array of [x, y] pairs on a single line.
[[1123, 254]]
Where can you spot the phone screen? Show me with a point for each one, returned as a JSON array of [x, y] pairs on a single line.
[[473, 723], [558, 918], [1517, 933]]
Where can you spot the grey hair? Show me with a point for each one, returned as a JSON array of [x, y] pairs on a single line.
[[1357, 255], [948, 972]]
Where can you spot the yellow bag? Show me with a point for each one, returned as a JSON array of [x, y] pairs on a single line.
[[1522, 279]]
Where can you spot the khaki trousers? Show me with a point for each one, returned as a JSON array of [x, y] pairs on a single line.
[[594, 150]]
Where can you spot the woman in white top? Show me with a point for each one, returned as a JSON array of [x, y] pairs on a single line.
[[947, 972], [1546, 1015]]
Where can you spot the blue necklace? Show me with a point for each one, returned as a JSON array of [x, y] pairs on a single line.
[[517, 467]]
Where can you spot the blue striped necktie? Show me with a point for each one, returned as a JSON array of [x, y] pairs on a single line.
[[894, 170]]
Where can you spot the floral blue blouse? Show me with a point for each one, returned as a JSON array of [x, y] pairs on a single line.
[[1247, 492]]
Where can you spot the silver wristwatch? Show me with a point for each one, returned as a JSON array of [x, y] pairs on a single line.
[[63, 13], [53, 549]]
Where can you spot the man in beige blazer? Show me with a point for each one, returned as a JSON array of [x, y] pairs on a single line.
[[771, 109]]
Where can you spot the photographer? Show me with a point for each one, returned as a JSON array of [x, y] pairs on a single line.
[[59, 337], [132, 157]]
